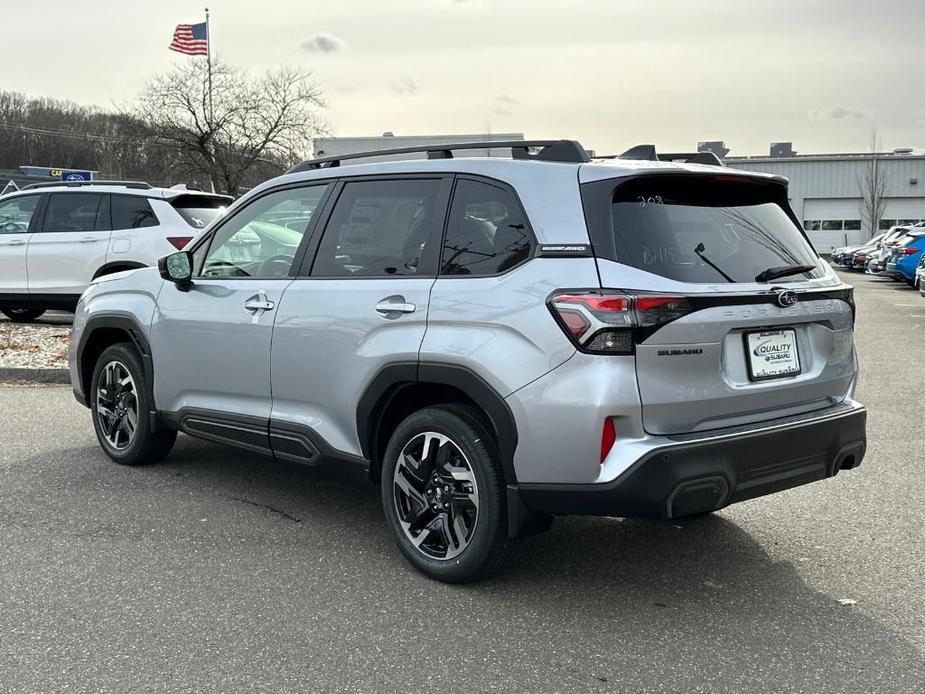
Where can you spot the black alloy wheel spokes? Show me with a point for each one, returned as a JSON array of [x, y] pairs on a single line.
[[117, 405], [436, 495]]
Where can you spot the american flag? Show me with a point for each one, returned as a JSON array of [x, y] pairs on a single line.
[[192, 39]]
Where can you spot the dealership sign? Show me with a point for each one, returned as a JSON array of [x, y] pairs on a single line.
[[55, 172]]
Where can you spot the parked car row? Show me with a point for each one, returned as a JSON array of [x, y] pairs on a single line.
[[898, 254], [55, 238]]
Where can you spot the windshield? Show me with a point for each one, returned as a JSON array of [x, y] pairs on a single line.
[[707, 229]]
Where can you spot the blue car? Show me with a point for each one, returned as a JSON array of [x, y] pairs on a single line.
[[906, 256]]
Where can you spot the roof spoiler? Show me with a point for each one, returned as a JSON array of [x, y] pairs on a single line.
[[648, 153]]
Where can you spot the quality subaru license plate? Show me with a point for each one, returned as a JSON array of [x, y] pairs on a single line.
[[772, 354]]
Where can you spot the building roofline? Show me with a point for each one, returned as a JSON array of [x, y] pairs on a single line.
[[891, 156], [478, 137]]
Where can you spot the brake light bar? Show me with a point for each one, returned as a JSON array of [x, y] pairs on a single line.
[[609, 322]]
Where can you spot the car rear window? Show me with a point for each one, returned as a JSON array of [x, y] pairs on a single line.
[[199, 210], [701, 229]]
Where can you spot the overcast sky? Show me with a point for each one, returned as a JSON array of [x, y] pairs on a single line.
[[610, 73]]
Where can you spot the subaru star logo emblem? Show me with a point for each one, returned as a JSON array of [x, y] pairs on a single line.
[[786, 298]]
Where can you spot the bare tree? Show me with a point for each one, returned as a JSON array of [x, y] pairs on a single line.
[[252, 128], [872, 184]]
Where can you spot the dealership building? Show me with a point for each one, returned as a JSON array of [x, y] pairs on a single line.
[[825, 190]]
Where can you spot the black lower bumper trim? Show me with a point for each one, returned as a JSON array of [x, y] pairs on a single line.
[[700, 475]]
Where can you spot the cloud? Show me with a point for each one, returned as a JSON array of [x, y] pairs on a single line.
[[838, 113], [499, 111], [506, 99], [405, 86], [323, 43]]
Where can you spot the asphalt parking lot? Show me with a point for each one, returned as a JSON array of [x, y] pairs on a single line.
[[222, 571]]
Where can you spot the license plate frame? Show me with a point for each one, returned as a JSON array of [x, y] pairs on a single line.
[[787, 337]]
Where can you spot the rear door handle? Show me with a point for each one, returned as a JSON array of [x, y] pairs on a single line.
[[394, 305], [89, 239], [259, 302]]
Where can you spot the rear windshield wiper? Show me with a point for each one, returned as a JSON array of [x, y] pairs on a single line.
[[699, 251], [773, 273]]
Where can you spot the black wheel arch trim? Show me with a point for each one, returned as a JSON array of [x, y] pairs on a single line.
[[388, 383], [118, 266], [126, 323]]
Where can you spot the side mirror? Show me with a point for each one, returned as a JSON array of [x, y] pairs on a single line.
[[177, 268]]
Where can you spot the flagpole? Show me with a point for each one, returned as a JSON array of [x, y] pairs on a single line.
[[209, 70], [209, 66]]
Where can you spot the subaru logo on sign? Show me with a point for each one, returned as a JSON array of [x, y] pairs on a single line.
[[73, 175], [786, 298]]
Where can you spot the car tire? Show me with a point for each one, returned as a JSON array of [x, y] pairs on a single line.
[[446, 504], [22, 315], [120, 401]]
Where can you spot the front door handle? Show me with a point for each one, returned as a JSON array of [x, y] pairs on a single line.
[[393, 306], [14, 242], [259, 302]]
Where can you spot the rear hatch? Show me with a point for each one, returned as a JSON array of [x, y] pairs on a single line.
[[746, 340]]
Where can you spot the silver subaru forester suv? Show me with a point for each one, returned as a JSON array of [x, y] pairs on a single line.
[[498, 340]]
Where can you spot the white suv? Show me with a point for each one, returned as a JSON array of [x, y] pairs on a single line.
[[55, 238]]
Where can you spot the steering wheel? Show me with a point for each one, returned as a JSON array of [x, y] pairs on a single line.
[[276, 266], [13, 227], [215, 264]]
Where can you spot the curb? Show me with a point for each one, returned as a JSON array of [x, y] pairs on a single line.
[[52, 376]]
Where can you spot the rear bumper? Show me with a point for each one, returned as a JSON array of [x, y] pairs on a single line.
[[694, 474]]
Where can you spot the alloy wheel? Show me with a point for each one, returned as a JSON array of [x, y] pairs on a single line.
[[436, 496], [117, 405]]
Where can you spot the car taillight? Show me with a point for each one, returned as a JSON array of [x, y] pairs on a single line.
[[179, 242], [609, 322], [910, 251]]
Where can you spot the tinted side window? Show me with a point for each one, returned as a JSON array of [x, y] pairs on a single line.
[[15, 214], [487, 233], [132, 212], [72, 212], [380, 228], [262, 239]]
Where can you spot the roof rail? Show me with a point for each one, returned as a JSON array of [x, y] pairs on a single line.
[[140, 185], [648, 153], [549, 150]]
